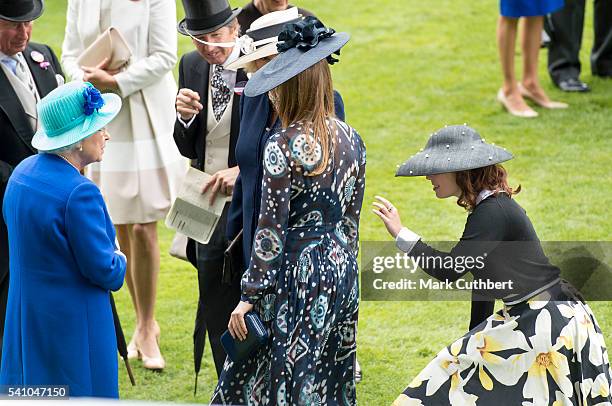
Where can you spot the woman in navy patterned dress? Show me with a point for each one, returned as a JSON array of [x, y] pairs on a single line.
[[303, 276]]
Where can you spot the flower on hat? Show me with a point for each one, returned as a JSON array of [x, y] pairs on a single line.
[[93, 99], [246, 44], [305, 35]]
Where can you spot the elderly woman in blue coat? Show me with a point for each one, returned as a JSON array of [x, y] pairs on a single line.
[[63, 257]]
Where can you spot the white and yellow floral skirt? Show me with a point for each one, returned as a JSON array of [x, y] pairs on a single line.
[[541, 352]]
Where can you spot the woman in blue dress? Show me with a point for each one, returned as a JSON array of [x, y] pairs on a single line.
[[302, 280], [63, 258], [512, 94]]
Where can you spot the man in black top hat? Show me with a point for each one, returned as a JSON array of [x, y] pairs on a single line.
[[256, 8], [28, 71], [206, 130], [565, 30]]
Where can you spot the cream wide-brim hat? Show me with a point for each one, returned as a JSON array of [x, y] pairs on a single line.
[[263, 31], [261, 52]]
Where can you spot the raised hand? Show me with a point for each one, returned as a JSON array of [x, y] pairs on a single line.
[[188, 103], [388, 214]]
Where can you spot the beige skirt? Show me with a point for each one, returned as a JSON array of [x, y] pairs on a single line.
[[141, 169]]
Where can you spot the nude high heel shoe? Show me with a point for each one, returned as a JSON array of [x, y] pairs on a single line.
[[132, 349], [542, 103], [153, 363], [529, 113]]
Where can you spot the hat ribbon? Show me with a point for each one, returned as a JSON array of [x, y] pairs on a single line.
[[245, 43], [86, 120], [248, 46], [305, 35], [212, 44]]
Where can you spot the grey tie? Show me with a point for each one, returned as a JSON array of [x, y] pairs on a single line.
[[220, 92], [21, 71]]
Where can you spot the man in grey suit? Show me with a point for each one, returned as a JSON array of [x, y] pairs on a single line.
[[28, 71]]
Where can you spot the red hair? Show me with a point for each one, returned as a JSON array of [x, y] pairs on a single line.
[[473, 181]]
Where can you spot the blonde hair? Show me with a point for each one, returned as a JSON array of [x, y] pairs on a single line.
[[309, 98], [250, 67]]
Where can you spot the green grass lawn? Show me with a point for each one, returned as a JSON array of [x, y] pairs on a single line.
[[410, 68]]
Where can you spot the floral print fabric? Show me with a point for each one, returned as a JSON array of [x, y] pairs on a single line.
[[303, 276], [537, 353]]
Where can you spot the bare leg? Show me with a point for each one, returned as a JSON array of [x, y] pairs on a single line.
[[506, 41], [145, 250], [530, 44], [124, 243]]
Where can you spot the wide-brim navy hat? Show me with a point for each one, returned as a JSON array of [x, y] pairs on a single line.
[[453, 149], [205, 16], [21, 10], [301, 45], [71, 113]]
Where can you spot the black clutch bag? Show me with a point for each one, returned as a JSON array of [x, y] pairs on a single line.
[[257, 335], [233, 261]]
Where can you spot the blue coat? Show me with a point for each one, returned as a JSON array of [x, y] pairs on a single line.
[[59, 326], [244, 210]]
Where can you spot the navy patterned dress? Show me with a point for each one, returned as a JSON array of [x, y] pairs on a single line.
[[303, 276]]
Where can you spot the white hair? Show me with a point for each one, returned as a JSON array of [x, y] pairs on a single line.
[[70, 148]]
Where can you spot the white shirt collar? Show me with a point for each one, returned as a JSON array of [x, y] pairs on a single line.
[[235, 54], [3, 55], [484, 193]]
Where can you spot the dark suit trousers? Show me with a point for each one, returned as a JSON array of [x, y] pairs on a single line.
[[217, 300], [481, 309], [565, 30]]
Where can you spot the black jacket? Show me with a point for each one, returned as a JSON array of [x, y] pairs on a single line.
[[194, 75], [15, 130]]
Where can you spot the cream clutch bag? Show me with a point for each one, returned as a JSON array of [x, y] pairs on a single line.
[[110, 44]]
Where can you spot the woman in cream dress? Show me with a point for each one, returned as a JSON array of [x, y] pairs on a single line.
[[139, 176]]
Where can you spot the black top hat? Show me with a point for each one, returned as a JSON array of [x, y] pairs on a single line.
[[205, 16], [20, 10]]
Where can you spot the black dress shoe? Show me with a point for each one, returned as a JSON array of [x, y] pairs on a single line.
[[573, 85]]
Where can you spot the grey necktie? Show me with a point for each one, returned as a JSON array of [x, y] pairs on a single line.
[[220, 92], [21, 71]]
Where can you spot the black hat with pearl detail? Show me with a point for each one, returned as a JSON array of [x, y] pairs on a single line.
[[453, 149]]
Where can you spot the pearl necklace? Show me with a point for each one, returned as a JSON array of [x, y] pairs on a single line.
[[71, 164]]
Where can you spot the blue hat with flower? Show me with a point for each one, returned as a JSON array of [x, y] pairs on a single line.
[[71, 113]]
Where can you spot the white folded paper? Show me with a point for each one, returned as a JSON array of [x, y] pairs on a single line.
[[191, 213]]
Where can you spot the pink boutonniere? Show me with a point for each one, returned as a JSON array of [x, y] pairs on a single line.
[[40, 58]]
